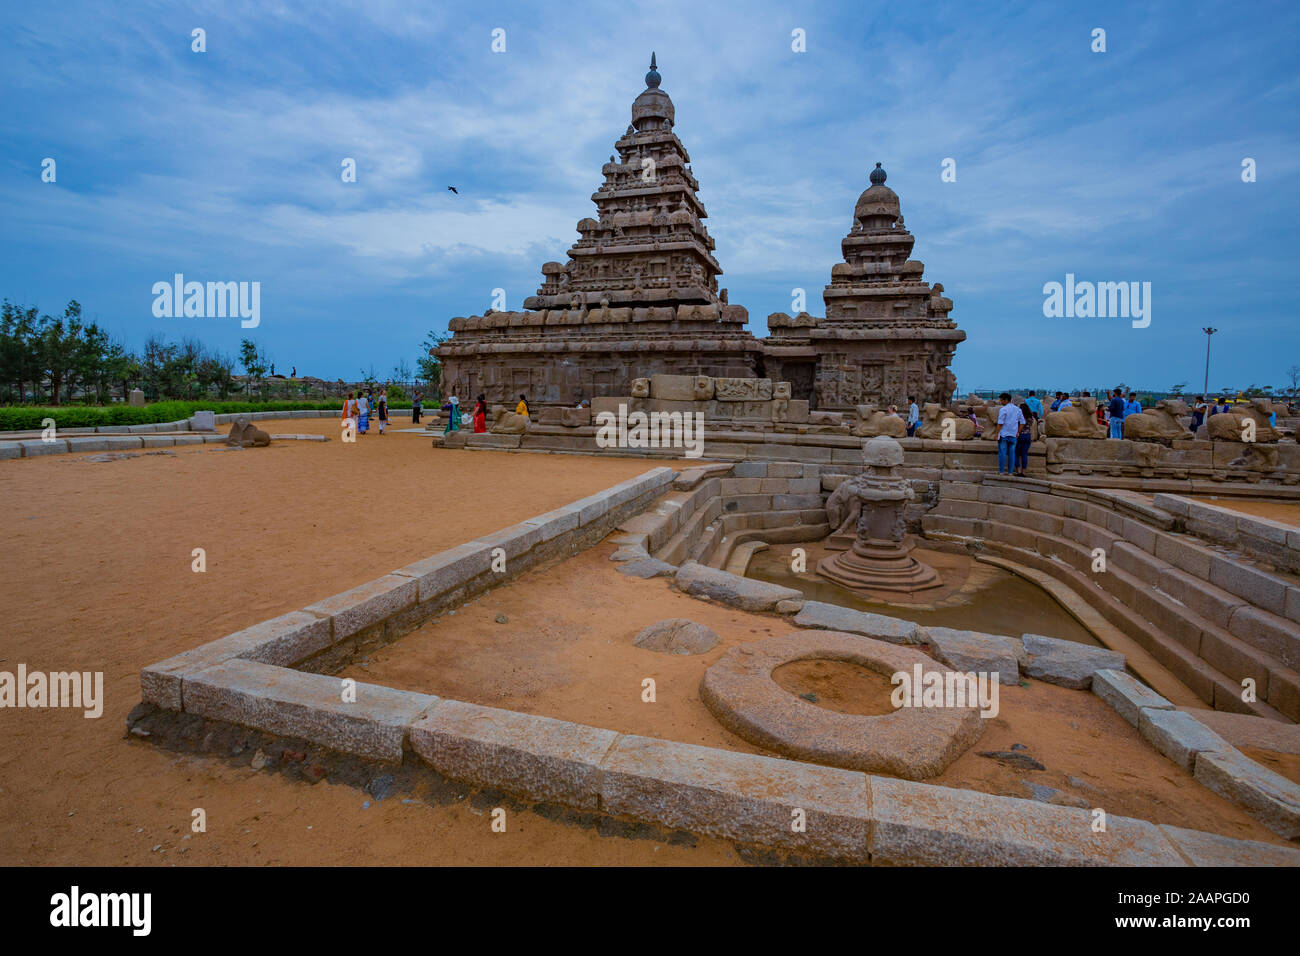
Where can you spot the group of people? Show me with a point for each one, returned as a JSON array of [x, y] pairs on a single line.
[[478, 418], [359, 406]]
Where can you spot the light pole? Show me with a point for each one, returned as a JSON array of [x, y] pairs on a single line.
[[1208, 333]]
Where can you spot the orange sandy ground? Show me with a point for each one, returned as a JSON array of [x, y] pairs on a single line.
[[95, 575], [566, 651]]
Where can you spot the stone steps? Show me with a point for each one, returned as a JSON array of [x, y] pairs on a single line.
[[1204, 657]]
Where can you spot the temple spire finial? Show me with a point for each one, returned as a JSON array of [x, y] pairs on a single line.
[[652, 78]]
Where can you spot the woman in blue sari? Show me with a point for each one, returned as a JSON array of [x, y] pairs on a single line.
[[452, 408]]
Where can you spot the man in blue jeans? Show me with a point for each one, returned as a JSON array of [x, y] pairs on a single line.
[[1009, 421]]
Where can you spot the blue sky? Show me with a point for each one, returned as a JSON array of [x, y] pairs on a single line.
[[225, 165]]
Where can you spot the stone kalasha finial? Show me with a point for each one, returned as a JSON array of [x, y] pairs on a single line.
[[652, 78], [880, 558], [878, 176]]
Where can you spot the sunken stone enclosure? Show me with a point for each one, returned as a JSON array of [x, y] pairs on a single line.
[[1180, 619]]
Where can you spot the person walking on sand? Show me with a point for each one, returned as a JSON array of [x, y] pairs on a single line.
[[363, 413], [383, 410], [350, 411], [522, 407], [480, 415], [415, 408], [452, 408]]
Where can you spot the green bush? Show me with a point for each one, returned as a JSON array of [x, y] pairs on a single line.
[[27, 417]]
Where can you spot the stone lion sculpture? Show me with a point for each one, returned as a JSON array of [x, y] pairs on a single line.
[[933, 417], [1232, 426], [506, 422], [843, 508], [872, 422], [246, 435], [1161, 423], [1077, 421]]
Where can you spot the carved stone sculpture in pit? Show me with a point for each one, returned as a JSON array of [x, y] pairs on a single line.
[[881, 558]]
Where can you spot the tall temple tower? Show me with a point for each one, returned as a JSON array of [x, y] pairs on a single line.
[[648, 245], [886, 334], [638, 295]]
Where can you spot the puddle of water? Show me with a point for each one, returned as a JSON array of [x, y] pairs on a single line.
[[1007, 604]]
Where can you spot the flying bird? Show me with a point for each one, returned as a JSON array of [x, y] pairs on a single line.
[[453, 189]]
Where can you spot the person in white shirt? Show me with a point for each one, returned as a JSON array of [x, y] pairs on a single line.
[[913, 416], [1010, 419]]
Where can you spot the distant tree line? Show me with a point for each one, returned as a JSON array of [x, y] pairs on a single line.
[[65, 359], [54, 360]]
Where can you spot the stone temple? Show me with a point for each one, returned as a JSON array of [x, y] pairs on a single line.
[[639, 297]]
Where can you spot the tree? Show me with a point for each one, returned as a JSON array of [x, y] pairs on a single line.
[[1177, 390], [429, 365], [253, 360]]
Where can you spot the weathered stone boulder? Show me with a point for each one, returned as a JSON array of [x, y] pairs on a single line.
[[933, 417], [677, 636], [751, 595], [246, 435], [832, 617], [1077, 421], [1161, 423], [873, 422], [1067, 663], [974, 651], [575, 417]]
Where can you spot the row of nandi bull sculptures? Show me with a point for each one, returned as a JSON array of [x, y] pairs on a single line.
[[1164, 422]]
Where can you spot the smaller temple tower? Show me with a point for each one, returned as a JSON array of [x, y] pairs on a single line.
[[886, 334]]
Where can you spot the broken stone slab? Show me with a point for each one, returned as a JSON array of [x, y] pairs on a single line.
[[311, 707], [539, 758], [282, 640], [647, 567], [676, 635], [973, 651], [203, 421], [747, 798], [1127, 695], [919, 824], [1211, 849], [1179, 736], [1057, 798], [1267, 796], [746, 593], [1067, 663], [789, 607], [367, 604], [630, 553], [832, 617]]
